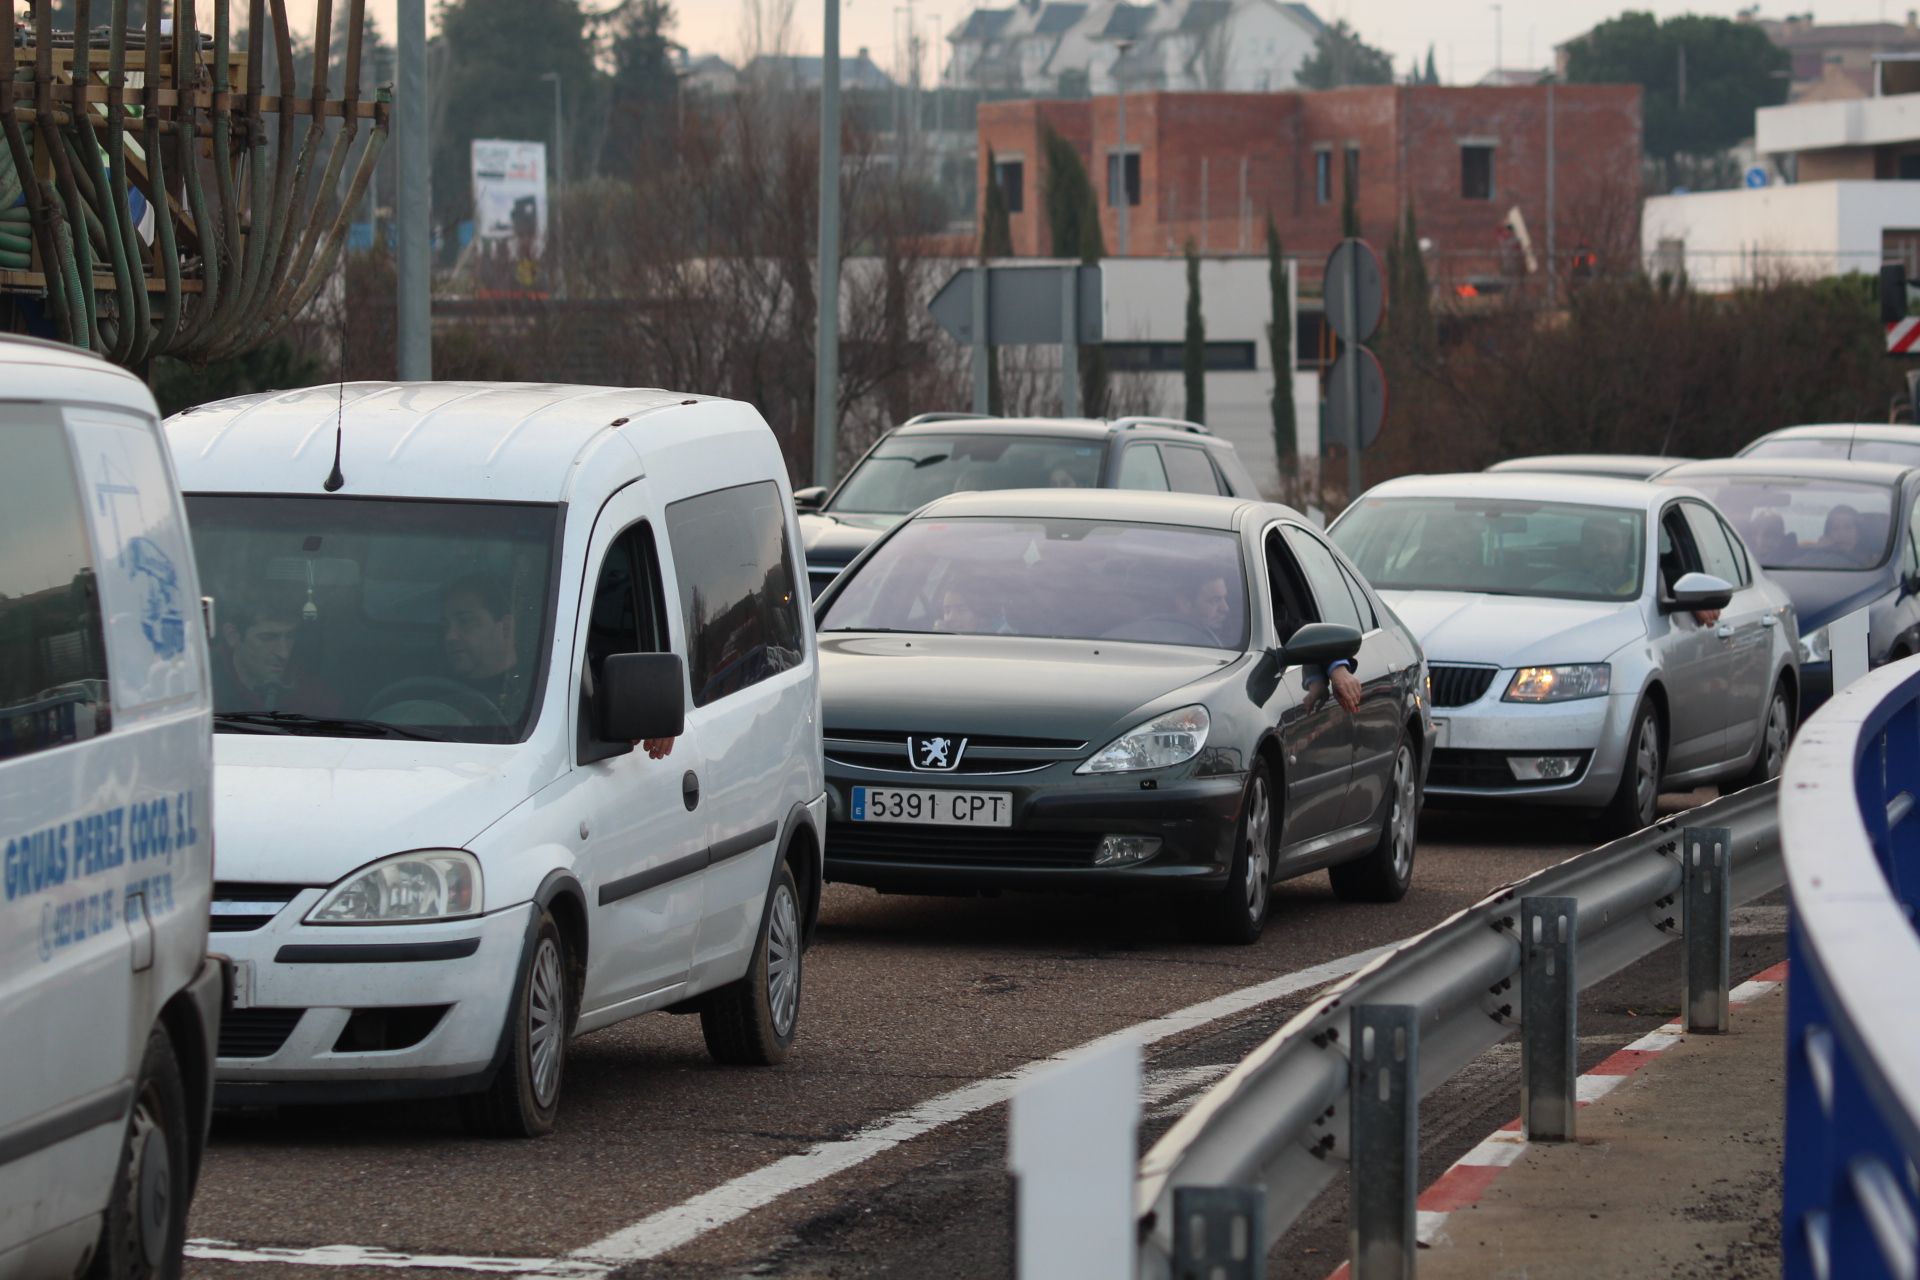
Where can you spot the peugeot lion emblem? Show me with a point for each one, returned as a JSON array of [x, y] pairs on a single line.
[[931, 754]]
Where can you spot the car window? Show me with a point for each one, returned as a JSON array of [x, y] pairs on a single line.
[[1678, 557], [1741, 559], [1797, 522], [906, 472], [1910, 542], [628, 611], [1710, 540], [1500, 546], [1140, 468], [1369, 621], [1189, 469], [737, 588], [53, 665], [1331, 599], [1799, 447]]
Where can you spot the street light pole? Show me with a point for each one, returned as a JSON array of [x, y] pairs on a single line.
[[826, 357], [558, 198], [413, 245], [1499, 45]]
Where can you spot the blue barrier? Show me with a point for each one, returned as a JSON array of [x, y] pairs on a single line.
[[1851, 842]]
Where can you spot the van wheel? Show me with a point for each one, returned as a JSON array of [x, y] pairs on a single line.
[[752, 1022], [525, 1094], [1385, 871], [1237, 915], [146, 1218]]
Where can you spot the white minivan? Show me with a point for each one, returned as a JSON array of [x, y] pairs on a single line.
[[517, 733], [109, 1003]]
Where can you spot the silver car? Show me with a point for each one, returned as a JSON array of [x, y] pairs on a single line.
[[1590, 641]]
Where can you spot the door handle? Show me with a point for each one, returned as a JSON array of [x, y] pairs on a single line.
[[1724, 631], [690, 790], [1768, 620]]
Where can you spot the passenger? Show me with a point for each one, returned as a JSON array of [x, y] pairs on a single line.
[[253, 663], [962, 611], [1062, 478], [1842, 532], [1772, 544]]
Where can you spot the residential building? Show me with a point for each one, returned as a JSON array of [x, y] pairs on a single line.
[[1211, 167], [1073, 50], [1850, 202], [802, 71], [1829, 55]]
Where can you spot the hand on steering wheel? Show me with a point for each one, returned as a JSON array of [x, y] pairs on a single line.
[[445, 690]]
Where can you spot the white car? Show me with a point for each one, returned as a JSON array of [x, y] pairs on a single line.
[[450, 617], [1590, 641], [109, 1004]]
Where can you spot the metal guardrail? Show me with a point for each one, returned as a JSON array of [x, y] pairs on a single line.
[[1852, 852], [1337, 1088]]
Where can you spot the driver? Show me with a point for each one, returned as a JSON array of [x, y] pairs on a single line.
[[482, 642], [1203, 604], [1604, 547]]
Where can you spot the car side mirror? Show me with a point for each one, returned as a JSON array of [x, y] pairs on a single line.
[[811, 498], [1697, 591], [641, 696], [1318, 643], [208, 620]]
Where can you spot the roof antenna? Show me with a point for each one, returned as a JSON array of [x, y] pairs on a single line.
[[335, 481]]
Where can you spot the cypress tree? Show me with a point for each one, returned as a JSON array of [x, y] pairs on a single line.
[[1433, 75], [996, 241], [1073, 220], [1286, 444], [1349, 210], [1194, 355]]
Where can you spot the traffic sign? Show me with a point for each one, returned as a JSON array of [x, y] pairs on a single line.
[[1025, 303], [1373, 398], [1756, 176], [1354, 290], [1903, 337]]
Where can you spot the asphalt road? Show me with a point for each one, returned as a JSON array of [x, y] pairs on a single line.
[[857, 1157]]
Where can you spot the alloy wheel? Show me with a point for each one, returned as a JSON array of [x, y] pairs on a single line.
[[1777, 733], [546, 1021], [1259, 837], [1405, 819], [783, 960], [1646, 773]]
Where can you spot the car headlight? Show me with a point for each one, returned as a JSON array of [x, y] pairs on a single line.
[[1817, 646], [1171, 739], [427, 884], [1559, 684]]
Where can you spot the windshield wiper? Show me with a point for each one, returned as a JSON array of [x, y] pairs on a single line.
[[296, 722]]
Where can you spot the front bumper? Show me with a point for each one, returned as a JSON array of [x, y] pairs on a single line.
[[1472, 744], [330, 1013], [1058, 822]]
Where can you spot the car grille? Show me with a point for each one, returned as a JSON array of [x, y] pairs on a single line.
[[1457, 686], [960, 846], [256, 1033], [986, 753], [242, 908], [1457, 767]]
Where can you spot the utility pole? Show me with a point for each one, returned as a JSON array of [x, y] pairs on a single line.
[[1499, 45], [412, 264], [826, 357], [557, 199]]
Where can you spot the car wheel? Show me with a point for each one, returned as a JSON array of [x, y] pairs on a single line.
[[1636, 802], [146, 1219], [1385, 871], [524, 1096], [1237, 914], [752, 1022], [1775, 734]]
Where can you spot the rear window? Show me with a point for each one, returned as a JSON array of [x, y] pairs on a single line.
[[1794, 523], [1905, 452], [907, 472]]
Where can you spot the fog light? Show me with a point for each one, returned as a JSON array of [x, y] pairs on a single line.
[[1118, 851], [1543, 768]]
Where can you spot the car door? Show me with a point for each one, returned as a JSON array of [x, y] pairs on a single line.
[[645, 847], [1745, 631], [1316, 734], [1691, 657]]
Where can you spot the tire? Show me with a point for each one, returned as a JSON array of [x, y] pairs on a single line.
[[1636, 802], [146, 1219], [752, 1022], [1237, 914], [1385, 872], [1775, 734], [524, 1096]]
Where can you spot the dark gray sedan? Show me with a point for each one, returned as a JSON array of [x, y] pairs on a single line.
[[1073, 690]]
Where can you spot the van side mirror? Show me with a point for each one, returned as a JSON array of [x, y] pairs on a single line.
[[811, 498], [1318, 643], [1697, 591], [641, 696]]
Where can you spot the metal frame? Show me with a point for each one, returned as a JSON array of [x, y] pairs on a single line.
[[1284, 1120], [1167, 424]]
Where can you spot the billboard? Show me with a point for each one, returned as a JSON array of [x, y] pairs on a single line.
[[510, 193]]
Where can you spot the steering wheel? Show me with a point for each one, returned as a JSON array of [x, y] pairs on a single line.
[[1165, 629], [448, 692]]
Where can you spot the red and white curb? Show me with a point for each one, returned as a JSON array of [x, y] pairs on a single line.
[[1462, 1186]]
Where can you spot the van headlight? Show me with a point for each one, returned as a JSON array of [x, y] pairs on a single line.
[[426, 884], [1171, 739], [1559, 684], [1817, 646]]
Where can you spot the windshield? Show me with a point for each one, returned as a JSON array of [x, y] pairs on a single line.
[[1906, 452], [375, 617], [1805, 524], [1500, 547], [907, 472], [1067, 579]]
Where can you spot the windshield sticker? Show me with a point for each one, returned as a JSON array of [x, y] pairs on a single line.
[[1032, 554]]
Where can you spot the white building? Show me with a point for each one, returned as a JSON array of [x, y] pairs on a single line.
[[1851, 199], [1071, 50]]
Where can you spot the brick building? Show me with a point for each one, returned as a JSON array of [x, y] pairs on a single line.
[[1211, 166]]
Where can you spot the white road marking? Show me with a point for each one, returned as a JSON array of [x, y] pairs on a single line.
[[1593, 1088], [1499, 1151], [351, 1255], [1168, 1091]]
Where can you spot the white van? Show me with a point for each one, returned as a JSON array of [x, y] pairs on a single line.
[[108, 1002], [517, 733]]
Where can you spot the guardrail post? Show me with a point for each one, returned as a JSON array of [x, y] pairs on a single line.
[[1219, 1233], [1707, 920], [1549, 1060], [1384, 1171]]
